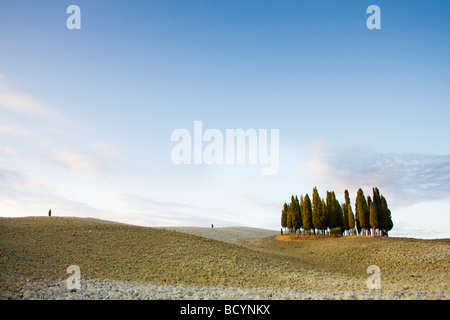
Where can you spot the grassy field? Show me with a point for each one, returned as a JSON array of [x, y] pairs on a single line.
[[38, 248], [43, 247], [401, 260], [226, 234]]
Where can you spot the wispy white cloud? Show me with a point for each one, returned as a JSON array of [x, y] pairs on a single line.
[[21, 195], [14, 100], [402, 229], [10, 178], [14, 129], [107, 149], [260, 203], [22, 103], [6, 151], [407, 178], [80, 163], [159, 212]]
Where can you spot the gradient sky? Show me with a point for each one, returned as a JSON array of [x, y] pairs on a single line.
[[86, 115]]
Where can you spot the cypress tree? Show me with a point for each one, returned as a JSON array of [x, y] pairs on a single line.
[[375, 210], [289, 218], [344, 212], [299, 213], [347, 197], [361, 210], [351, 219], [334, 213], [307, 214], [367, 219], [338, 212], [373, 217], [349, 212], [318, 217], [323, 216], [327, 210], [386, 223], [295, 213], [284, 216], [357, 223]]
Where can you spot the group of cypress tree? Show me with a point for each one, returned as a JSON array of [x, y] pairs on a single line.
[[322, 216]]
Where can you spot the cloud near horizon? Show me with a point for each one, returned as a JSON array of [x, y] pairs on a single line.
[[21, 195], [80, 163], [407, 178], [20, 102]]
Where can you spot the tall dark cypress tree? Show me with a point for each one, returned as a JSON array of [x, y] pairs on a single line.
[[298, 212], [327, 210], [347, 197], [295, 213], [318, 214], [301, 213], [307, 214], [386, 223], [334, 213], [375, 211], [361, 210], [323, 214], [284, 216], [369, 203], [338, 212], [349, 212], [357, 223], [289, 218], [344, 210], [373, 218]]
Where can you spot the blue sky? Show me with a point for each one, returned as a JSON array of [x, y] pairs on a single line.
[[86, 115]]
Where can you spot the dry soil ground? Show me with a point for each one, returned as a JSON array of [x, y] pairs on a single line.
[[39, 249]]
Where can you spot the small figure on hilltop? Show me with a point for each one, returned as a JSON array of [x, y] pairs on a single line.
[[50, 212], [212, 226]]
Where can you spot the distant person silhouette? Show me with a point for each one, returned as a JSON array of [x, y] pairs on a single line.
[[50, 212]]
